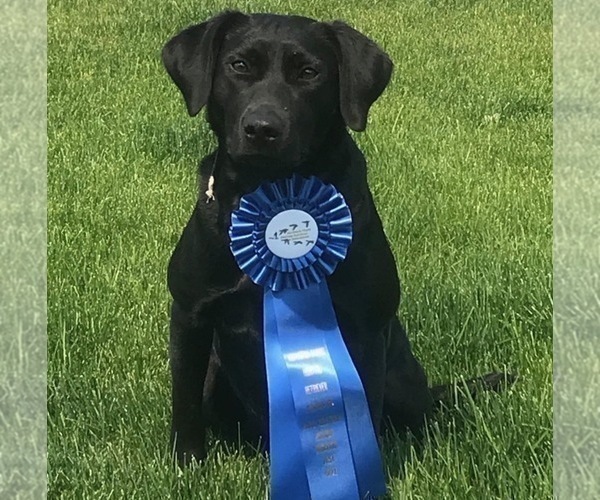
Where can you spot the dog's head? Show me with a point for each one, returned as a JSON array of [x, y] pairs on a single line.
[[275, 86]]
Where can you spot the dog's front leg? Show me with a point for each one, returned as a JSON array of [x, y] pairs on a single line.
[[190, 346], [369, 360]]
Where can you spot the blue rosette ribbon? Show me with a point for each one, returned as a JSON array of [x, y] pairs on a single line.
[[288, 236]]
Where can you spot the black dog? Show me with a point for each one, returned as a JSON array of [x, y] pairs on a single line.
[[279, 92]]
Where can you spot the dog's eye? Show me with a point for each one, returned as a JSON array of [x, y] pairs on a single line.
[[308, 73], [240, 67]]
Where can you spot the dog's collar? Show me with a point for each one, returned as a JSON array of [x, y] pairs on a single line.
[[210, 192]]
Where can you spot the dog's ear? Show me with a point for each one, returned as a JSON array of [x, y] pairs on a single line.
[[364, 72], [190, 58]]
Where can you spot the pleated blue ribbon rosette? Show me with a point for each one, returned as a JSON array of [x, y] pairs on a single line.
[[288, 236]]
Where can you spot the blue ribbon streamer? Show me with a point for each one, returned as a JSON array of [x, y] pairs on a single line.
[[323, 446]]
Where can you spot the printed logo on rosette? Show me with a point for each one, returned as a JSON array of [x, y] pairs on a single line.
[[292, 234]]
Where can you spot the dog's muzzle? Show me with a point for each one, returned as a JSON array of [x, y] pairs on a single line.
[[263, 129]]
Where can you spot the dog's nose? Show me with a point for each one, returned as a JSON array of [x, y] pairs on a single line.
[[262, 127], [261, 130]]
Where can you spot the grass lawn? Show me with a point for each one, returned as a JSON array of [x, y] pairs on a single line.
[[460, 155]]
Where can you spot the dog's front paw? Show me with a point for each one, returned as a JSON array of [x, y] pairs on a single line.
[[187, 456]]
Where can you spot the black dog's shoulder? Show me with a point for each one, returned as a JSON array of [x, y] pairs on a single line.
[[201, 263]]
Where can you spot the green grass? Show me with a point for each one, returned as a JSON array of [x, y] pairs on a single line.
[[460, 155]]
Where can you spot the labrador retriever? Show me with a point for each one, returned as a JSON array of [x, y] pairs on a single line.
[[280, 93]]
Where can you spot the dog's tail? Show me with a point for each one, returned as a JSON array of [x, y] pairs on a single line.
[[448, 394]]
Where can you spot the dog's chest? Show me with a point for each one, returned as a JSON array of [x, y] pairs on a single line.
[[238, 315]]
